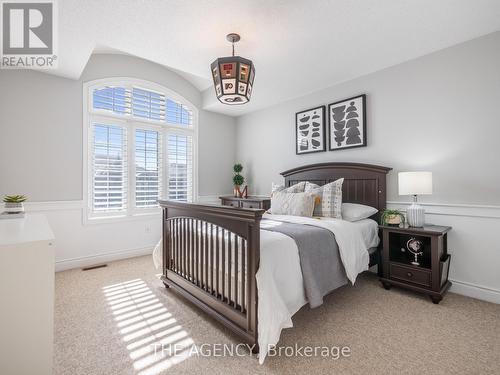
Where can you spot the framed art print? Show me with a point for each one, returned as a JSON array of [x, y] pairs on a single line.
[[347, 123], [310, 131]]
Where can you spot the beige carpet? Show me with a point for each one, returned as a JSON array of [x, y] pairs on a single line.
[[108, 320]]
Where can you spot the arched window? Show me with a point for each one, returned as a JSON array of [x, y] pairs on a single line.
[[140, 147]]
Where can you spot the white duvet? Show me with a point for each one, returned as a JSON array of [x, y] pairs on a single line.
[[279, 278]]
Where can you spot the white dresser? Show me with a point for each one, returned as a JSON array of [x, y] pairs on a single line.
[[26, 295]]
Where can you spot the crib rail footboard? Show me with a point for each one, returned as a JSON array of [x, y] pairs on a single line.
[[210, 256]]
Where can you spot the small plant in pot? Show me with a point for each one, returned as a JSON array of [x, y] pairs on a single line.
[[14, 203], [392, 217], [238, 180]]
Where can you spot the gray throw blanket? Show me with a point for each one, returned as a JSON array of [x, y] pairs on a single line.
[[322, 268]]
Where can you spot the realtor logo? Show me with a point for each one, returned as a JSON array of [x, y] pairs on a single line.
[[28, 35]]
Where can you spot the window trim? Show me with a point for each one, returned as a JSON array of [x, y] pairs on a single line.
[[131, 123]]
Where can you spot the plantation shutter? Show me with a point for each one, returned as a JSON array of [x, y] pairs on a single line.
[[109, 168], [113, 99], [148, 104], [180, 167], [179, 114], [141, 104], [147, 168]]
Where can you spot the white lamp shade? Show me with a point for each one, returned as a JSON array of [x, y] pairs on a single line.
[[415, 183]]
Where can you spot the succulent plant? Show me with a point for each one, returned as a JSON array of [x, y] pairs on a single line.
[[14, 198]]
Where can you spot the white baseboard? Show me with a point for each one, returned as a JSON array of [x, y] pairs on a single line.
[[66, 264], [475, 291]]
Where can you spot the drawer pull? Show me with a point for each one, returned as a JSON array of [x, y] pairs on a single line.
[[409, 274]]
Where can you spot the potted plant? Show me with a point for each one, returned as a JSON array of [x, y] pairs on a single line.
[[14, 204], [238, 179], [392, 217]]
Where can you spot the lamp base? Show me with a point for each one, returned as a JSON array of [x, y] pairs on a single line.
[[415, 215]]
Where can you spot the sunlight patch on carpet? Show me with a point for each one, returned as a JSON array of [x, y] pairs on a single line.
[[151, 335]]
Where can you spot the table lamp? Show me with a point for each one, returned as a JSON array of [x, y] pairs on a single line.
[[415, 183]]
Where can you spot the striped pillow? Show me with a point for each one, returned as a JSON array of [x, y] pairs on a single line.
[[331, 198]]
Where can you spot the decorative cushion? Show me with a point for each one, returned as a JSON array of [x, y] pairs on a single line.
[[331, 198], [297, 188], [295, 204], [356, 212]]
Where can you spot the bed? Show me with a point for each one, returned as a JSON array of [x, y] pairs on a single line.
[[211, 254]]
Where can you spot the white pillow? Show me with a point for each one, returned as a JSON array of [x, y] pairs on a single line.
[[356, 212], [294, 204], [331, 198], [297, 188]]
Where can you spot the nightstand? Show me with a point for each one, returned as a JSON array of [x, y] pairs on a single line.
[[428, 272], [251, 202]]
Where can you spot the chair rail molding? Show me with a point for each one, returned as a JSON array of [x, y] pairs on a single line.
[[453, 209]]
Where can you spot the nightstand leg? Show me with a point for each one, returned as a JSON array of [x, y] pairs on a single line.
[[386, 286], [436, 299], [380, 261]]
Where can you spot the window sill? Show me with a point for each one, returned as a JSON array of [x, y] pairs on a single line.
[[138, 216]]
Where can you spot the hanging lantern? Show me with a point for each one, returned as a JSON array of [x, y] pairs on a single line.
[[233, 77]]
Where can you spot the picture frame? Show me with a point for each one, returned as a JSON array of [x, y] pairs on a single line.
[[310, 130], [347, 123]]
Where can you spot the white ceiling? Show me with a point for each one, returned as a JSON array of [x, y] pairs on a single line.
[[297, 46]]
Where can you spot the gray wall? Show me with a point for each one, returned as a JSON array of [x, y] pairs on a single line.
[[41, 129], [217, 153], [440, 113]]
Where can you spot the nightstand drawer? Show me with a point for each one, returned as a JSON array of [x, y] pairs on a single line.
[[251, 204], [416, 276], [228, 202], [255, 202]]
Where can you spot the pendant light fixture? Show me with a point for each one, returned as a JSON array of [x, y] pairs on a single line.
[[233, 76]]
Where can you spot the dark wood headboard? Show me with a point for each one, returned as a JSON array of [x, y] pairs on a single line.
[[363, 183]]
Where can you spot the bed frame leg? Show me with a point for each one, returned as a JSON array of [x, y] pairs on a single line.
[[166, 285]]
